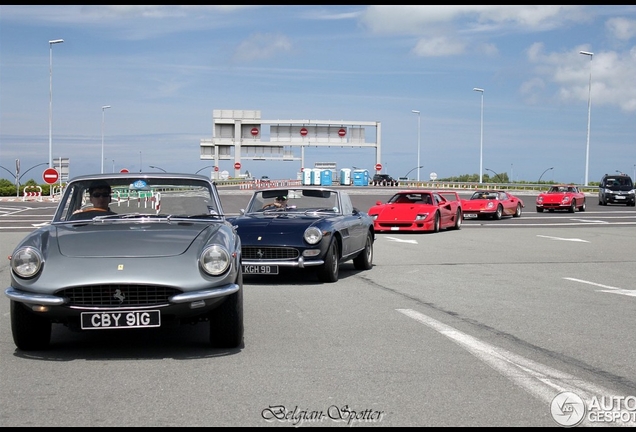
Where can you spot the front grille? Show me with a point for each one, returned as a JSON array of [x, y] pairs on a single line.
[[118, 295], [269, 253]]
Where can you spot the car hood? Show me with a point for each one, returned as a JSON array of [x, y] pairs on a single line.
[[391, 211], [477, 204], [292, 225], [125, 240]]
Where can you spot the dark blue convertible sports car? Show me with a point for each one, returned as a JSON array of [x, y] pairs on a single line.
[[303, 227]]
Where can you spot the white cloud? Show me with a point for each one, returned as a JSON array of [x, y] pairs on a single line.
[[621, 28], [437, 47], [261, 46]]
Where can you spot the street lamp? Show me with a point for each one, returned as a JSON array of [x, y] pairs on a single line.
[[51, 43], [406, 176], [209, 166], [539, 181], [105, 107], [418, 143], [139, 160], [156, 167], [589, 115], [113, 165], [500, 180], [481, 135]]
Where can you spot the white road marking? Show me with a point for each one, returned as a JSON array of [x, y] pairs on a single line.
[[609, 289], [564, 239], [401, 240], [541, 381]]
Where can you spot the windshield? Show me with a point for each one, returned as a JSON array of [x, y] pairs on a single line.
[[294, 200], [120, 197]]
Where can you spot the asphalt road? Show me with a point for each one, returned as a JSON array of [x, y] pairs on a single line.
[[476, 327]]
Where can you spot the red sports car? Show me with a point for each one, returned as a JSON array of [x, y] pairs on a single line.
[[418, 210], [561, 197], [492, 204]]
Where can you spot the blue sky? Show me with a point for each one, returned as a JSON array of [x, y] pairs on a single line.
[[164, 69]]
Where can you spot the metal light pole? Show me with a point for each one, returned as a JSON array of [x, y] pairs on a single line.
[[418, 143], [113, 165], [481, 135], [105, 107], [541, 176], [589, 115], [51, 43], [139, 160], [156, 167]]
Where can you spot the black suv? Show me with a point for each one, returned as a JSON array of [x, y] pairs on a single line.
[[616, 189], [384, 180]]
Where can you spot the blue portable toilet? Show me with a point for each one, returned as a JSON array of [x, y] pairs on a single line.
[[345, 176], [361, 177], [325, 178]]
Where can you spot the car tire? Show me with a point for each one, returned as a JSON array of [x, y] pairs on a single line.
[[517, 211], [572, 207], [364, 260], [583, 206], [226, 321], [539, 209], [436, 223], [459, 217], [30, 332], [499, 213], [328, 272]]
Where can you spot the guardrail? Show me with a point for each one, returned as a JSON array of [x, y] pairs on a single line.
[[436, 184]]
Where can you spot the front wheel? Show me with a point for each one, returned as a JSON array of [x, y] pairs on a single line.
[[499, 213], [517, 211], [328, 272], [539, 209], [572, 208], [226, 321], [364, 260], [582, 208], [30, 332]]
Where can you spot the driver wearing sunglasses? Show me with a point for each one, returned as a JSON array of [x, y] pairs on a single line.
[[99, 196]]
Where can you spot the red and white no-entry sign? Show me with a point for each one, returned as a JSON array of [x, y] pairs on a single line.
[[237, 165], [216, 169], [378, 167], [303, 131], [50, 175], [123, 170], [254, 131], [342, 132]]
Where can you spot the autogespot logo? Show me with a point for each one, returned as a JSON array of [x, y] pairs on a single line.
[[567, 409]]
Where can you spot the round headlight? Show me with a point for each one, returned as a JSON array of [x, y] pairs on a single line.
[[215, 260], [26, 262], [312, 235]]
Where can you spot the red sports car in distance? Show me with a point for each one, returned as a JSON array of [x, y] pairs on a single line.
[[561, 197], [418, 211], [492, 204]]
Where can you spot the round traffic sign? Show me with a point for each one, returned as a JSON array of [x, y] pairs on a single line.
[[50, 175], [237, 165], [254, 131], [124, 170], [433, 176], [303, 131], [378, 167], [216, 169], [342, 132]]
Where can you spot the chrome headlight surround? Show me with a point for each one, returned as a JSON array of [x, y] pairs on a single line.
[[215, 260], [26, 262], [312, 235]]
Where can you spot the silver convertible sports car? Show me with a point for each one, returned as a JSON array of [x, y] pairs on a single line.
[[304, 228], [128, 251]]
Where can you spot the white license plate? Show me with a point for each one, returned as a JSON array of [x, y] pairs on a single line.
[[470, 215], [260, 269], [620, 197], [395, 228], [120, 319]]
